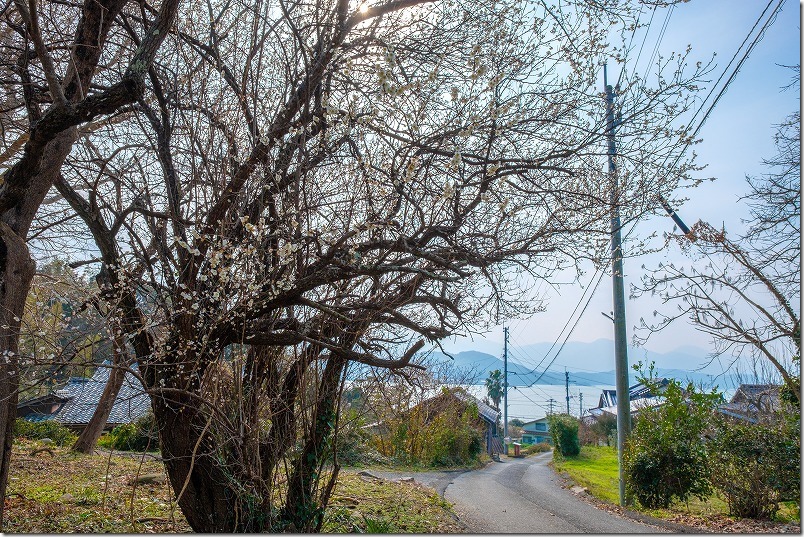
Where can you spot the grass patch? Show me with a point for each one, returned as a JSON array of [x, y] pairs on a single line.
[[789, 512], [76, 493], [595, 468], [365, 504]]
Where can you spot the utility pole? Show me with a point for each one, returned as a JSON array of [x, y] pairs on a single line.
[[551, 402], [620, 338], [580, 407], [505, 386], [566, 384]]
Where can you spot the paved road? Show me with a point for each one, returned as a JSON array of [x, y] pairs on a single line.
[[522, 496]]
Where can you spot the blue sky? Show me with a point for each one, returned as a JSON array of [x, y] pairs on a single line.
[[736, 137]]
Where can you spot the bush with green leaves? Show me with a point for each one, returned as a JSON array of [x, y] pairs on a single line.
[[604, 430], [452, 442], [564, 431], [37, 430], [665, 458], [445, 432], [354, 443], [140, 435], [540, 447], [755, 466]]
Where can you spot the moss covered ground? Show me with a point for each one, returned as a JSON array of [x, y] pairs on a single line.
[[70, 492]]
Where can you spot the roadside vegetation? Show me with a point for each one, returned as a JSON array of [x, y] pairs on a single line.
[[686, 463], [61, 491]]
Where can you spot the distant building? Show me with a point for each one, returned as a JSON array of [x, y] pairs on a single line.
[[536, 431], [640, 396], [75, 403], [432, 407], [753, 403]]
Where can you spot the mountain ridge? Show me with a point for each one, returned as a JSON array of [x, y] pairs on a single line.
[[580, 359]]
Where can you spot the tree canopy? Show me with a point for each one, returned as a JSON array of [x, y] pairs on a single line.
[[280, 190]]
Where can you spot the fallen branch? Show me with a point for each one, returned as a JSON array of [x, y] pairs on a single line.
[[43, 450]]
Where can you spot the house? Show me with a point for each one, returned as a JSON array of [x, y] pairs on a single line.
[[753, 403], [639, 395], [44, 405], [75, 403], [536, 431], [431, 407], [486, 413]]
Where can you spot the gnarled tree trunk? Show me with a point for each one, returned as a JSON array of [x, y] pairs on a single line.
[[18, 271]]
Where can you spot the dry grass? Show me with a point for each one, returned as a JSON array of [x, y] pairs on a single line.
[[71, 492], [362, 503]]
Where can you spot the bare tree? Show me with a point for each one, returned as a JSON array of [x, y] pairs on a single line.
[[745, 293], [60, 335], [54, 50], [309, 185]]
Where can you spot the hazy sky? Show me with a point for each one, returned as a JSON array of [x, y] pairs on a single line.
[[736, 137]]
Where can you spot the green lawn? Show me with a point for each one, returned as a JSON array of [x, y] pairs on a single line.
[[596, 469]]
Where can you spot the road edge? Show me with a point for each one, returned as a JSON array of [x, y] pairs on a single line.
[[674, 527]]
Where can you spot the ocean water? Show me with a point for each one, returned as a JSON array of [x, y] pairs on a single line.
[[530, 403]]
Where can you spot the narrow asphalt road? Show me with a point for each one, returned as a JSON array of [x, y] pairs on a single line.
[[521, 496]]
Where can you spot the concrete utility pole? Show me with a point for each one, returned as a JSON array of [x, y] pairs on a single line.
[[580, 406], [505, 386], [566, 384], [620, 338], [551, 402]]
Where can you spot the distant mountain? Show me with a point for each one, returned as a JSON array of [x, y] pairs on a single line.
[[589, 364], [599, 355]]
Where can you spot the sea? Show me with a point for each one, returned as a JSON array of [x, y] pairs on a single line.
[[534, 402]]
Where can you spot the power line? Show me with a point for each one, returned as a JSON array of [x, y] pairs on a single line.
[[771, 19], [658, 41], [571, 330], [588, 287], [660, 38], [756, 40], [531, 400], [642, 46]]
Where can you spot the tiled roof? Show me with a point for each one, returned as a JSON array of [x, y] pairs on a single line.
[[131, 404], [753, 392], [751, 402], [637, 391], [485, 411]]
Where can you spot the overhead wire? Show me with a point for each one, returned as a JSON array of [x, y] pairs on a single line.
[[771, 19], [570, 332], [569, 319], [659, 40], [754, 42], [642, 46]]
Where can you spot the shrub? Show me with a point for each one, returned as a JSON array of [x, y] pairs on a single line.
[[756, 466], [452, 444], [354, 443], [137, 436], [564, 430], [604, 430], [38, 430], [541, 447], [448, 432], [665, 457]]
